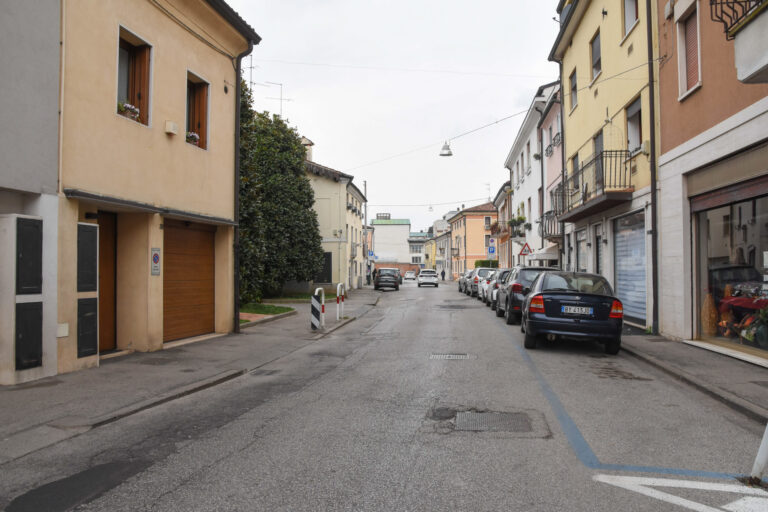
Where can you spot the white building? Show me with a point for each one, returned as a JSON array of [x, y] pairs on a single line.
[[526, 179], [391, 239]]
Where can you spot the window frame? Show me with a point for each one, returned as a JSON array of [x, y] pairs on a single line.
[[573, 90], [629, 27], [595, 38], [199, 83], [685, 12], [639, 114], [127, 37]]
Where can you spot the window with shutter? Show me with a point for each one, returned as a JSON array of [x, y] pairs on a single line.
[[595, 50], [574, 98], [133, 72], [691, 51], [197, 111], [630, 14]]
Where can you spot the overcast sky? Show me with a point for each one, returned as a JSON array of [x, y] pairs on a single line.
[[371, 79]]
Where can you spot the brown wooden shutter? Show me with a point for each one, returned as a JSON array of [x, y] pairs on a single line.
[[138, 86], [201, 110], [691, 51]]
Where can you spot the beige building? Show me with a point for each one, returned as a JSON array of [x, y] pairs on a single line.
[[471, 232], [339, 205], [147, 175]]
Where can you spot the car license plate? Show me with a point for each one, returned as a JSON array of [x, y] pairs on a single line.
[[576, 310]]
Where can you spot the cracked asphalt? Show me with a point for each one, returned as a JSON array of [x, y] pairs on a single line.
[[364, 419]]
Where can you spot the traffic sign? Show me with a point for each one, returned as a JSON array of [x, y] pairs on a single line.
[[491, 250], [492, 241], [526, 250]]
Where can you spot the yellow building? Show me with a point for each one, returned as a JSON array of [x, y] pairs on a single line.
[[430, 253], [339, 205], [603, 52], [471, 232], [148, 174]]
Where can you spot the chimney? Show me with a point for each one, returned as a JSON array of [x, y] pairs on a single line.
[[308, 147]]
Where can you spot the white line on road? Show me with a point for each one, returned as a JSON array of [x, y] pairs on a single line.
[[646, 486]]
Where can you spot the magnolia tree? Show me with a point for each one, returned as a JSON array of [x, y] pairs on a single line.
[[279, 233]]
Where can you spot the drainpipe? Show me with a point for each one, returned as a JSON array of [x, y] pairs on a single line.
[[654, 199], [236, 242], [562, 163]]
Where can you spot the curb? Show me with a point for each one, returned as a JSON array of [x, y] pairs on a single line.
[[268, 319], [736, 403], [335, 327]]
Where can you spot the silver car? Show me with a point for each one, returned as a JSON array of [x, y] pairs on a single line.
[[427, 276]]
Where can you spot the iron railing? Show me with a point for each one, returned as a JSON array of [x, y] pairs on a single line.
[[548, 151], [735, 14], [549, 226], [608, 171], [556, 139]]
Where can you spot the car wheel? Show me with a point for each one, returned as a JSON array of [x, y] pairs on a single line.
[[499, 311], [529, 341], [419, 285], [493, 305], [612, 347], [508, 318], [376, 288], [435, 286], [397, 288]]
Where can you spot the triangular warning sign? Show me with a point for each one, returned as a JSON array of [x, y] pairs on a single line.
[[526, 250]]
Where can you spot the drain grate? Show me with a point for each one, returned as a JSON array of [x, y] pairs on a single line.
[[449, 356], [493, 422]]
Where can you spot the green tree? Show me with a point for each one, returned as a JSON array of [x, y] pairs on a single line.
[[279, 233]]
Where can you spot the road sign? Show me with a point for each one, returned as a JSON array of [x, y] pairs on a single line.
[[370, 254], [155, 270], [526, 250], [491, 250], [492, 241]]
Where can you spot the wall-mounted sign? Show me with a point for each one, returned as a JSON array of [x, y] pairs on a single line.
[[491, 250], [155, 261]]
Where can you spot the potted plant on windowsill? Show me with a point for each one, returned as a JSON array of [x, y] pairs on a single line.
[[127, 110], [193, 138]]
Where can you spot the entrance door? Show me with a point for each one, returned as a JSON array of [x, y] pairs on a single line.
[[107, 281], [188, 279]]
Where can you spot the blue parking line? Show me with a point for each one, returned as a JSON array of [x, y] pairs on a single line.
[[582, 449]]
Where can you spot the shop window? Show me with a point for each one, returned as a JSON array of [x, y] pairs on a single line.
[[133, 69], [733, 273], [197, 111], [581, 250]]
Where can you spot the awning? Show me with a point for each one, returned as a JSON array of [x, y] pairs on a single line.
[[551, 252]]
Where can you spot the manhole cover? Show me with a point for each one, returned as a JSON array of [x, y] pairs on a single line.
[[449, 356], [493, 422]]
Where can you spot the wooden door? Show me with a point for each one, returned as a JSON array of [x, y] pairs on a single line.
[[107, 281], [188, 279]]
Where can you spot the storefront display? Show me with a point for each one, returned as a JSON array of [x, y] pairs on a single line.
[[733, 272]]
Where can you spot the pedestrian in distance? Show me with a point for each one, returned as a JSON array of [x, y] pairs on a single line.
[[442, 274]]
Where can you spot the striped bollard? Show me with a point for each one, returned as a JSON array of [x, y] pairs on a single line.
[[317, 318]]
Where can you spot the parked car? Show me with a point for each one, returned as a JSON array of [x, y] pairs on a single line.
[[463, 280], [572, 305], [427, 276], [474, 279], [410, 274], [513, 291], [387, 278], [498, 278], [484, 286]]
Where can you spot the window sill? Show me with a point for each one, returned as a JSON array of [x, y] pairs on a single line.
[[595, 79], [689, 92], [629, 32], [572, 109], [136, 121], [196, 146]]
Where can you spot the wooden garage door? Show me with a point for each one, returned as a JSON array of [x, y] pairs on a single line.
[[188, 282]]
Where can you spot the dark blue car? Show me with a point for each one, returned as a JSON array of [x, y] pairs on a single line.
[[572, 305]]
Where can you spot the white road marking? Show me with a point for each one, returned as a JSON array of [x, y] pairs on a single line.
[[647, 486]]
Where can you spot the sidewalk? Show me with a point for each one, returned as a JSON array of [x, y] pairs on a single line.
[[740, 385], [43, 412]]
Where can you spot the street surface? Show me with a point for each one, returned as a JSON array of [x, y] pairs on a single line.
[[379, 415]]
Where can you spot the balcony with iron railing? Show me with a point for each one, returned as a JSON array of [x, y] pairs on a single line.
[[602, 182], [550, 227], [735, 14]]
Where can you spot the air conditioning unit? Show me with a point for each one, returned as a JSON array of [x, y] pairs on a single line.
[[21, 295]]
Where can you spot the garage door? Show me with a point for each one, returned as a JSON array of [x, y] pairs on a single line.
[[188, 282], [629, 261]]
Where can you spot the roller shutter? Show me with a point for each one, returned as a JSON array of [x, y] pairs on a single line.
[[629, 258]]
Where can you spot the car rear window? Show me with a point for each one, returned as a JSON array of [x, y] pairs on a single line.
[[427, 273], [502, 275], [483, 272], [526, 277], [388, 272], [583, 283]]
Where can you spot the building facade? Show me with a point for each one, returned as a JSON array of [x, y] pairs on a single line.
[[501, 228], [550, 140], [609, 134], [417, 248], [339, 205], [148, 167], [524, 162], [391, 239], [471, 233], [713, 173], [30, 59]]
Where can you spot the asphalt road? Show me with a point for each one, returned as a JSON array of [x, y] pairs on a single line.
[[393, 412]]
